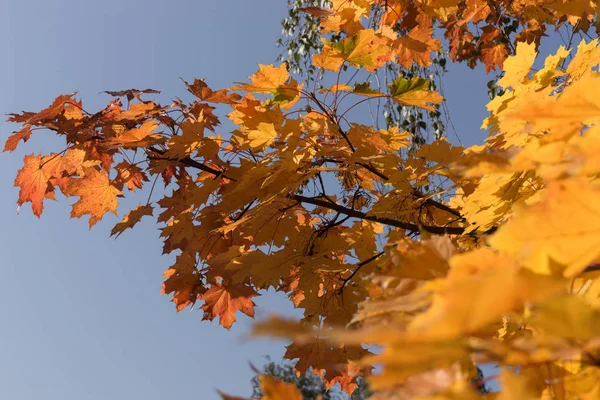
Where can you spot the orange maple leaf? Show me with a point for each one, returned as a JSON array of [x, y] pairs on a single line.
[[416, 46], [97, 195], [131, 175], [493, 55], [275, 389], [131, 218], [34, 184], [201, 90], [225, 301], [184, 281], [13, 140], [317, 11]]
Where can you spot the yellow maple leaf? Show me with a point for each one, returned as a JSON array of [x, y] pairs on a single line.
[[365, 49], [188, 141], [414, 92], [587, 56], [516, 387], [517, 67], [481, 286], [265, 80], [561, 228], [262, 136], [136, 137]]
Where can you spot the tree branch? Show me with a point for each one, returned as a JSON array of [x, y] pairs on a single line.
[[438, 230], [190, 163], [358, 267]]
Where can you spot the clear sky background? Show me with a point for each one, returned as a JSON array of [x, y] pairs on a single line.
[[81, 314]]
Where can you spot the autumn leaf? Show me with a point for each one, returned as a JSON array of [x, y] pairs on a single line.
[[13, 140], [97, 195], [414, 92], [262, 136], [131, 94], [225, 301], [131, 218], [560, 229], [200, 89], [184, 281], [364, 49], [274, 389], [493, 56], [34, 184], [49, 113], [416, 47], [518, 66], [317, 11], [132, 175], [136, 137], [265, 80]]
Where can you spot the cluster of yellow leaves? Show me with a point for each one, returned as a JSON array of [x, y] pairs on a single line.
[[499, 264]]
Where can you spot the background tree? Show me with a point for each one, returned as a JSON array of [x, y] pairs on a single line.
[[302, 33], [443, 256], [310, 384]]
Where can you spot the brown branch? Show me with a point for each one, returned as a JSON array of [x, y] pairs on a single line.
[[190, 163], [414, 228], [374, 170], [332, 120], [592, 268], [358, 267], [438, 230], [370, 167], [439, 205]]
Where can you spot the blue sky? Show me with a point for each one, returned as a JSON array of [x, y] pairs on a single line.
[[82, 317]]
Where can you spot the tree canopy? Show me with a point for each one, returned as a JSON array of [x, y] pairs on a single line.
[[443, 256]]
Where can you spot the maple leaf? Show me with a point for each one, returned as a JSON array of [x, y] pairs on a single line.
[[189, 141], [136, 137], [61, 167], [476, 11], [201, 90], [561, 228], [13, 140], [262, 136], [49, 113], [493, 55], [132, 175], [224, 301], [184, 281], [265, 80], [414, 92], [274, 389], [517, 67], [131, 218], [97, 195], [365, 49], [132, 93], [225, 396], [34, 184], [317, 11], [336, 88], [416, 47], [440, 152]]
